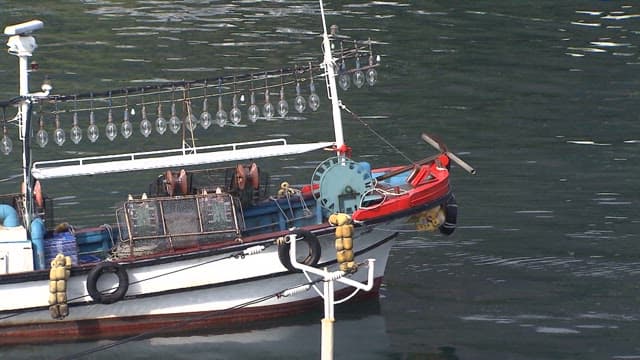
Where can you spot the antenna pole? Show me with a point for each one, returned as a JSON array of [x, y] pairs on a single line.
[[22, 45], [332, 91]]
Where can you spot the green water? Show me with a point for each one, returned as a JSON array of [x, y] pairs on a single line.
[[540, 97]]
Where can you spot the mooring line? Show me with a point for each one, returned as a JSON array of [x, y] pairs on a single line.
[[143, 335]]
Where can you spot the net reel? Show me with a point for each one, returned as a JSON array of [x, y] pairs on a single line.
[[339, 184]]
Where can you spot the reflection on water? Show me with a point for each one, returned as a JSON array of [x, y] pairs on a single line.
[[357, 336], [619, 23]]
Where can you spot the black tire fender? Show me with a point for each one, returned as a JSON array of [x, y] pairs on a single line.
[[312, 243], [97, 272], [451, 216]]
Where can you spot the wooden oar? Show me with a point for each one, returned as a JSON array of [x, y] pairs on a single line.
[[442, 148]]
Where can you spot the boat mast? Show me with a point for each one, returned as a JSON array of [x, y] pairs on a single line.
[[332, 91], [22, 45]]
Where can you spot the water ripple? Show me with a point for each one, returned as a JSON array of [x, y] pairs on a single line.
[[577, 267], [555, 325]]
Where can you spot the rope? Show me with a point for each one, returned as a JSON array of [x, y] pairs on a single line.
[[288, 193], [385, 194], [280, 208], [305, 208], [104, 347], [355, 291], [237, 255], [344, 107]]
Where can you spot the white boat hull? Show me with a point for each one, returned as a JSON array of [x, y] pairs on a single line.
[[207, 290]]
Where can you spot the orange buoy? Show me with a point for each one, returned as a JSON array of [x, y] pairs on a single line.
[[37, 194], [169, 183], [241, 177], [254, 176], [182, 183]]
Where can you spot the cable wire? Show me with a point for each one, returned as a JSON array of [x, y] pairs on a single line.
[[355, 116], [143, 335]]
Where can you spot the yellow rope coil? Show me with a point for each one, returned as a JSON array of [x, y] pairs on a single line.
[[58, 276], [281, 241], [430, 220], [285, 189], [344, 241]]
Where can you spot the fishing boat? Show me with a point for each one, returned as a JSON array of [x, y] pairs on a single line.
[[208, 241]]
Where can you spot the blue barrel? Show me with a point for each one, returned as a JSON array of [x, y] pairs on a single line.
[[37, 239], [64, 243], [8, 216]]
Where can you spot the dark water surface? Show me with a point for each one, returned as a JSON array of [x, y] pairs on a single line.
[[541, 97]]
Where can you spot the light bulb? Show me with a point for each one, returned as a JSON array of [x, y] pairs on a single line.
[[221, 115], [111, 131], [254, 111], [161, 122], [235, 114], [161, 125], [126, 128], [76, 134], [299, 103], [6, 145], [221, 118], [344, 80], [205, 116], [92, 131], [268, 111], [174, 120], [205, 120], [358, 75], [190, 121], [174, 124], [358, 79], [267, 108], [314, 99], [283, 106], [145, 124], [76, 131], [59, 136], [372, 76], [145, 127], [42, 138]]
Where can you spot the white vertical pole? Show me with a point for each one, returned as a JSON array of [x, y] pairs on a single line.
[[328, 294], [24, 132], [328, 320], [331, 82], [22, 45]]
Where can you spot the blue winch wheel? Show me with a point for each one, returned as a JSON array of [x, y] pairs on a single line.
[[312, 244], [107, 297], [339, 184]]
